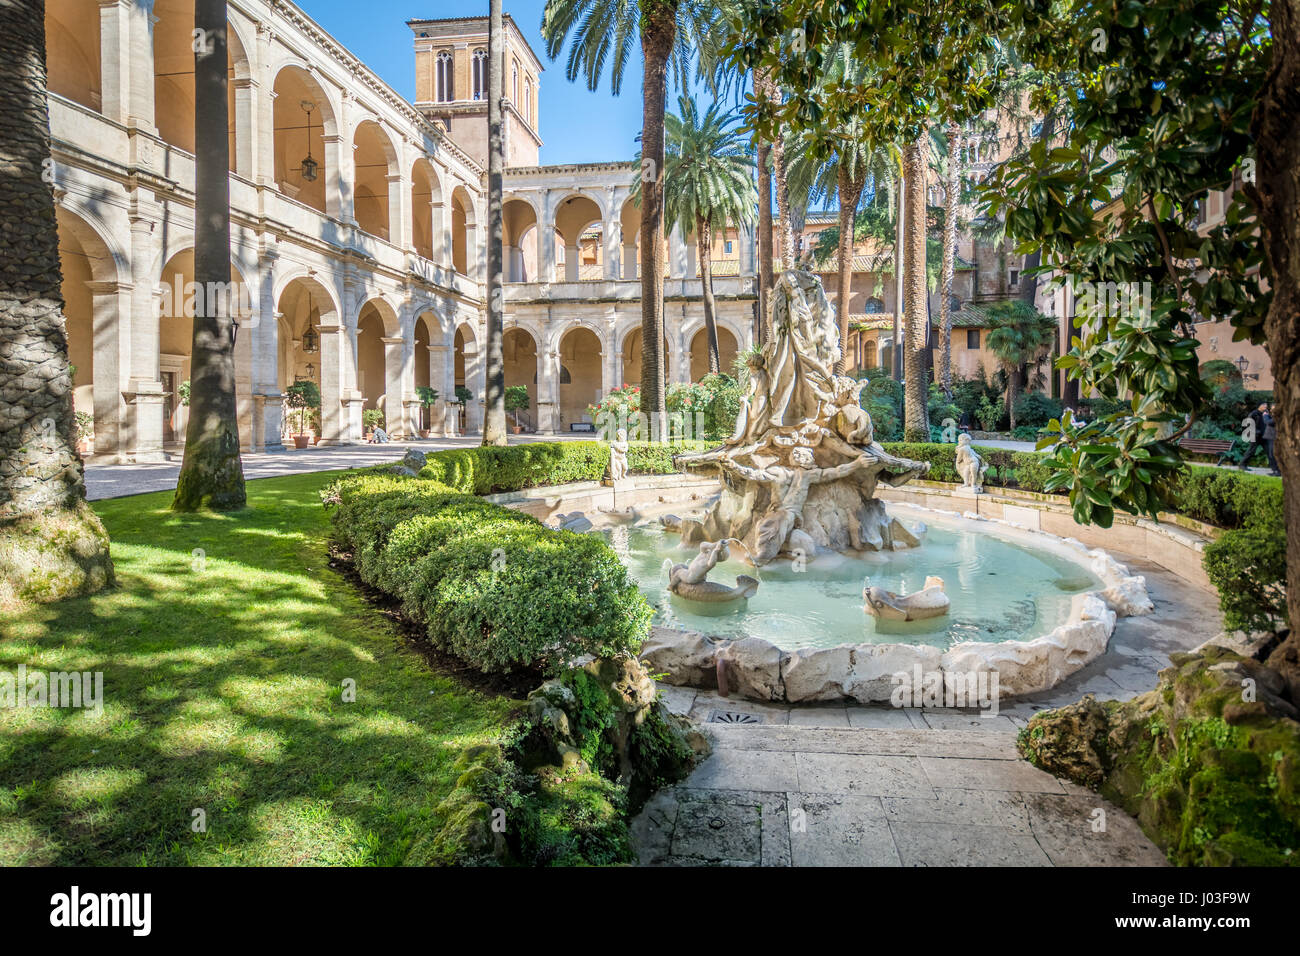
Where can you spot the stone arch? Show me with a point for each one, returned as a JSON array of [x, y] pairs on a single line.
[[296, 135], [467, 372], [629, 353], [380, 358], [375, 178], [72, 51], [173, 44], [575, 214], [304, 302], [521, 346], [519, 239], [728, 349], [427, 210], [582, 352], [464, 231]]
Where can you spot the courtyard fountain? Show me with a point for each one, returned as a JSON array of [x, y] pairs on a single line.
[[835, 594]]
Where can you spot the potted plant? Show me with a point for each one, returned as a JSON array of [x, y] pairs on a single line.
[[301, 397], [427, 397], [371, 419], [85, 432], [463, 397], [516, 402]]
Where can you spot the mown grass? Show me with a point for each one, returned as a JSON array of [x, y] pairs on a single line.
[[223, 692]]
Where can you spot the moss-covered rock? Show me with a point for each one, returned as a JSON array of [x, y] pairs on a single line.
[[1208, 761]]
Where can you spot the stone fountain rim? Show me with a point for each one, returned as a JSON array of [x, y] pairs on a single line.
[[815, 674]]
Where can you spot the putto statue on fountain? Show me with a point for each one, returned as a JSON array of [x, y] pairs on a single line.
[[801, 468]]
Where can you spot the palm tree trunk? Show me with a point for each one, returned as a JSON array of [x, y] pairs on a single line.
[[764, 240], [494, 424], [949, 257], [850, 191], [704, 243], [211, 472], [900, 225], [51, 544], [657, 34], [916, 415], [783, 202]]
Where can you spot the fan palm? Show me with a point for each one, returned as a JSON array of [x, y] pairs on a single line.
[[1018, 335], [673, 34], [708, 185]]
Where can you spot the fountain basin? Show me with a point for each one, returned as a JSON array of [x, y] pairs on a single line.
[[1029, 606]]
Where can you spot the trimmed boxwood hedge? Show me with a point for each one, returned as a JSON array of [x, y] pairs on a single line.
[[488, 470], [490, 585]]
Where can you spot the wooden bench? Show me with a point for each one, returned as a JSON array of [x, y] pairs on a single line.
[[582, 427], [1217, 447]]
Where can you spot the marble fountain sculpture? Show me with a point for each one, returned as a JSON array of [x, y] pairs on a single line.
[[798, 479], [800, 472]]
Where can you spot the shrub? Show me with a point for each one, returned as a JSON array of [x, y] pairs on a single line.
[[1034, 409], [1248, 568], [372, 418], [490, 585], [991, 413]]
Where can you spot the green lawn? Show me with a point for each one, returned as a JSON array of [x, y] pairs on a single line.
[[223, 681]]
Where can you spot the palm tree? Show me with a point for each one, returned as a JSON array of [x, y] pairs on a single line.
[[842, 161], [708, 185], [51, 544], [1018, 335], [672, 32], [916, 301], [951, 190], [494, 424], [211, 472]]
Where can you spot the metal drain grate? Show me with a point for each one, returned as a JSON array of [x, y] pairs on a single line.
[[732, 717]]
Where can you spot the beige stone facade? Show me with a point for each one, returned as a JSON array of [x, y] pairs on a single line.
[[357, 234]]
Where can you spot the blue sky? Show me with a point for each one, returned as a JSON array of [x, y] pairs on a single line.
[[577, 126]]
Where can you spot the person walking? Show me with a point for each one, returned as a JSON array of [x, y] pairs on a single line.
[[1270, 439], [1256, 416]]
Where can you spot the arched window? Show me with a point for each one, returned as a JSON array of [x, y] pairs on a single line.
[[873, 307], [480, 74], [445, 75], [514, 86], [528, 102]]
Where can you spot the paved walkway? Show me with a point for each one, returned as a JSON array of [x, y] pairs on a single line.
[[114, 481], [846, 784]]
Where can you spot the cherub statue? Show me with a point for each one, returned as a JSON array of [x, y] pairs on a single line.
[[711, 552], [790, 486], [854, 423], [970, 466], [618, 456]]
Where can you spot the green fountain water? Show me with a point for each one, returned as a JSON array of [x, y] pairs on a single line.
[[1001, 590]]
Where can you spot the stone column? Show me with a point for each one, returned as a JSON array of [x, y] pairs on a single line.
[[111, 322], [399, 210], [332, 426], [143, 392], [677, 255], [247, 122], [338, 171], [612, 241], [268, 421], [393, 398], [440, 232], [546, 241], [571, 262], [548, 390], [139, 95], [442, 375], [629, 258], [114, 64]]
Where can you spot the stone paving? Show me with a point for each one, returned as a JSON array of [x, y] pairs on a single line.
[[851, 785]]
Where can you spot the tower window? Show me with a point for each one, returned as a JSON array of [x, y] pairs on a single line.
[[478, 72], [444, 75]]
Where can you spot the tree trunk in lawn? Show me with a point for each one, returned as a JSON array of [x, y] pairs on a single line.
[[850, 191], [916, 417], [1277, 138], [949, 257], [211, 472], [52, 545], [704, 242], [494, 423]]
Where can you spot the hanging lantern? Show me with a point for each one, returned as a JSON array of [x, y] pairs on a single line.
[[309, 167], [310, 341]]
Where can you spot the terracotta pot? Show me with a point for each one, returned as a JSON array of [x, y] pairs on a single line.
[[517, 429], [301, 441]]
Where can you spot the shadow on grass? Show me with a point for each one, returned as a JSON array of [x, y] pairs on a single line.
[[226, 651]]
